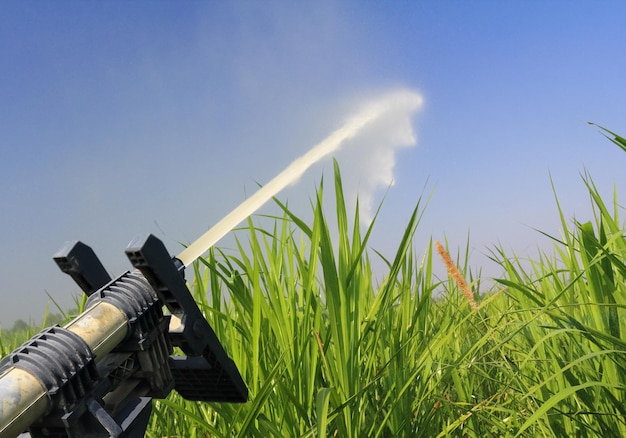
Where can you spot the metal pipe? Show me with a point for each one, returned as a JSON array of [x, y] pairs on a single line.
[[22, 400], [103, 326]]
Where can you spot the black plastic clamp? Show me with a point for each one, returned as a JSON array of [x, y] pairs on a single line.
[[206, 373], [80, 262], [64, 365]]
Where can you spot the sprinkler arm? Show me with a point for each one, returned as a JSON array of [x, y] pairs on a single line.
[[97, 375]]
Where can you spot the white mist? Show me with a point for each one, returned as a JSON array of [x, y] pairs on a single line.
[[391, 112]]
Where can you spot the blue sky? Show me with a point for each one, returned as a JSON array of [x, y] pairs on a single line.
[[123, 118]]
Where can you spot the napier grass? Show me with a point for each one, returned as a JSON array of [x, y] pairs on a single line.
[[326, 352]]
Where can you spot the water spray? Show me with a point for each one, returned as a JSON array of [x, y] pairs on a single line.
[[404, 101]]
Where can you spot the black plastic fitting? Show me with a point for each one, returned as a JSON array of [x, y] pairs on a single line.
[[61, 361]]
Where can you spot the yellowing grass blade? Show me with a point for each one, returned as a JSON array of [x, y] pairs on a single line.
[[403, 101]]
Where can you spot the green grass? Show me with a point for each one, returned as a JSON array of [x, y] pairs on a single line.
[[325, 351]]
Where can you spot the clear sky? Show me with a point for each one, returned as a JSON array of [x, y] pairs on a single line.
[[122, 118]]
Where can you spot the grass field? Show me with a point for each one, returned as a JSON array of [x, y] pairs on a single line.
[[327, 352]]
